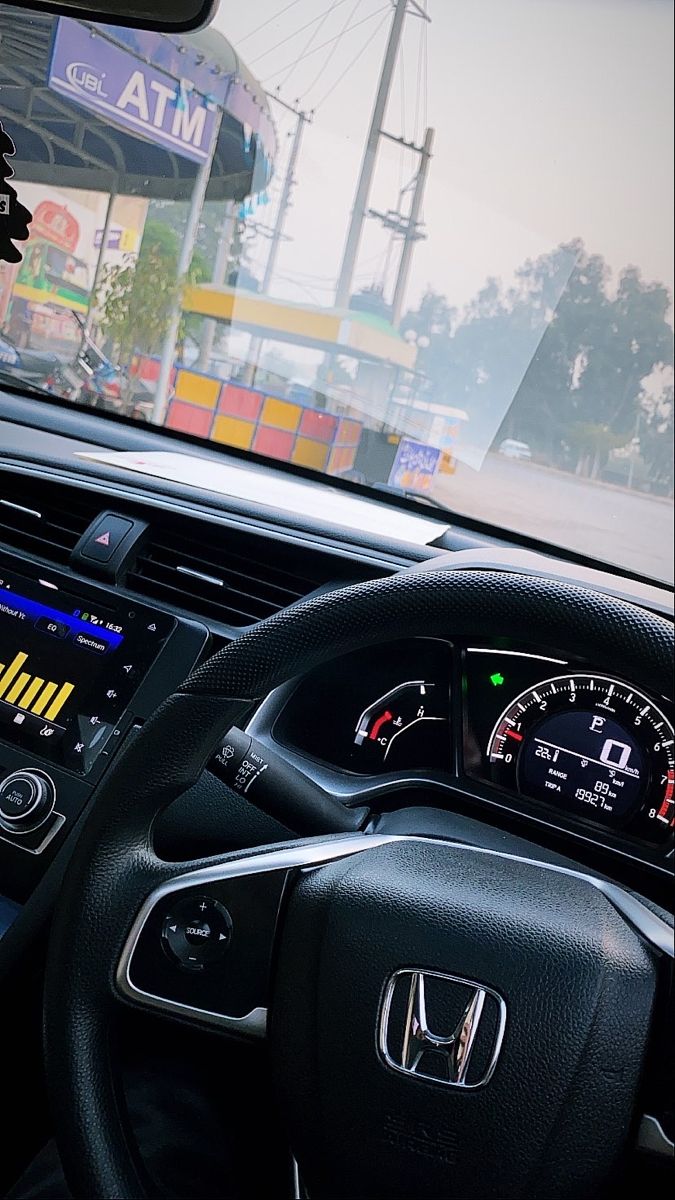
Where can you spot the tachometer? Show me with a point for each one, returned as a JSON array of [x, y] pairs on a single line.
[[593, 747]]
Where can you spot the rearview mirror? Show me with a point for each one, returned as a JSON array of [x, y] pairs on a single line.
[[166, 16]]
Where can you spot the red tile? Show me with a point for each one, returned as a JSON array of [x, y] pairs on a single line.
[[275, 443]]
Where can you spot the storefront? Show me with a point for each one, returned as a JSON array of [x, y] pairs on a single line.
[[119, 117]]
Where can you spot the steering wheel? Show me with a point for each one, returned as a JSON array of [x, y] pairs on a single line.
[[439, 1017]]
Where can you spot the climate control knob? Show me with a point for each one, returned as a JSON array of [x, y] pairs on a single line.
[[26, 800]]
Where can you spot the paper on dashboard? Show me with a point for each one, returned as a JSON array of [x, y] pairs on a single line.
[[263, 486]]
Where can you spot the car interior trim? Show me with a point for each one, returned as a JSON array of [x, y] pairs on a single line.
[[652, 928]]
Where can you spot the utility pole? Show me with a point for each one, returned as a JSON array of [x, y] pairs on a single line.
[[412, 233], [277, 236], [360, 207]]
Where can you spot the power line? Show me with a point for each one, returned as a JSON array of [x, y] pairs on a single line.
[[332, 51], [269, 21], [311, 39], [313, 276], [280, 70], [320, 17], [356, 58]]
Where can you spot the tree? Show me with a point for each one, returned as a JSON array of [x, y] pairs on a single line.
[[656, 439], [555, 360], [172, 214], [136, 298]]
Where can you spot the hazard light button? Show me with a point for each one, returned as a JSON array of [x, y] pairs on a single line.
[[105, 538]]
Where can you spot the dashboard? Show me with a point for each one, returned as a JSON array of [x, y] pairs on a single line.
[[111, 593], [562, 743]]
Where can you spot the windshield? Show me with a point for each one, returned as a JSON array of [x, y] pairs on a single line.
[[422, 246]]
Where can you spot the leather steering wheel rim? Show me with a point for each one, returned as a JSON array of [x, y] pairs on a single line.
[[113, 866]]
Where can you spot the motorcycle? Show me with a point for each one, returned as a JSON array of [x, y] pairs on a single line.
[[92, 379]]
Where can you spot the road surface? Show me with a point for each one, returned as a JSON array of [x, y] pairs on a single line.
[[628, 529]]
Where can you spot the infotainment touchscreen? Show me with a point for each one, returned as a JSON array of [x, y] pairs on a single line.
[[68, 670]]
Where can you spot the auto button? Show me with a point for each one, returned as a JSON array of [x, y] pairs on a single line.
[[26, 800]]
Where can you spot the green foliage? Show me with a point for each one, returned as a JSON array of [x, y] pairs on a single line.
[[173, 214], [136, 298], [587, 352], [656, 439]]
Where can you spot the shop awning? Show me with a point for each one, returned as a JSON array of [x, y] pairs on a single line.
[[61, 137]]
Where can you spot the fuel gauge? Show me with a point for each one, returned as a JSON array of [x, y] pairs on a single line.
[[402, 715]]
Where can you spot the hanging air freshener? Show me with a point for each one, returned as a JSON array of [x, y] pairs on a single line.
[[14, 216]]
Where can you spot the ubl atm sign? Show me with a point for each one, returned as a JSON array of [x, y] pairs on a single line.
[[99, 75]]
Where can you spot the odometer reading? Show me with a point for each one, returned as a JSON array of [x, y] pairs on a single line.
[[593, 747]]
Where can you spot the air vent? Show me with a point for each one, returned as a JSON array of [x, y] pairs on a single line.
[[219, 573], [43, 518]]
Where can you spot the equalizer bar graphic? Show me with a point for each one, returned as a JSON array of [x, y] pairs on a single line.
[[30, 692]]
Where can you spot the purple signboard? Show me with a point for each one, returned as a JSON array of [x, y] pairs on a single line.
[[92, 71], [184, 56], [415, 466]]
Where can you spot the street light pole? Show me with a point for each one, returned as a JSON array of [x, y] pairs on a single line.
[[98, 274], [218, 278]]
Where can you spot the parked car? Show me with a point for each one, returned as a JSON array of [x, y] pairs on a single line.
[[510, 448], [29, 365]]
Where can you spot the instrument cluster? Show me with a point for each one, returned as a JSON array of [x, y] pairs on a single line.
[[571, 745]]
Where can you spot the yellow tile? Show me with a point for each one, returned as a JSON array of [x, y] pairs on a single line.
[[308, 453], [197, 389], [281, 414], [233, 432]]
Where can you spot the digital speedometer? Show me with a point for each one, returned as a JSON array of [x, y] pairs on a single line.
[[593, 747]]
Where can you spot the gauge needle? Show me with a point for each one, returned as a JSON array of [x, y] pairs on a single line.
[[386, 716], [512, 733]]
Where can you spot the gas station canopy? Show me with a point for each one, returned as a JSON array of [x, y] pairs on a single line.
[[345, 331], [130, 111]]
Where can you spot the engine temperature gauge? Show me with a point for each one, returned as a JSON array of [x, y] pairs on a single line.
[[386, 723]]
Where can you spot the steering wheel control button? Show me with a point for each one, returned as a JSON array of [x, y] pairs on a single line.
[[197, 932], [26, 800]]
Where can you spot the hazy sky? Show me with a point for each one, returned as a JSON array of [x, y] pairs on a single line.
[[553, 119]]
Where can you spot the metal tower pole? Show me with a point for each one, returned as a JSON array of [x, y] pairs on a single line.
[[364, 185], [412, 230]]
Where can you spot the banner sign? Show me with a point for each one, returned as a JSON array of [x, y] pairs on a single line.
[[415, 466], [101, 76]]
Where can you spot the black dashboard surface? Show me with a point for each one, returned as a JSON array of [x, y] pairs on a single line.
[[408, 725]]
